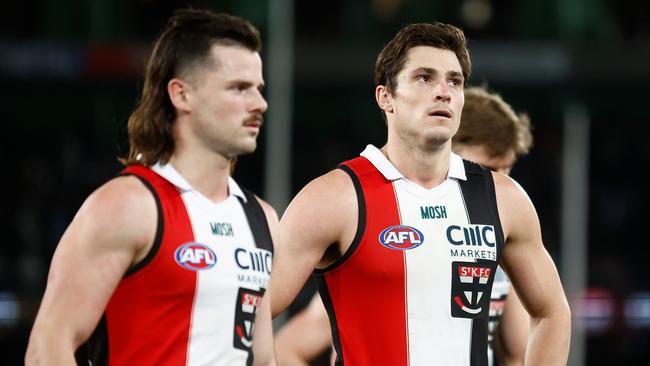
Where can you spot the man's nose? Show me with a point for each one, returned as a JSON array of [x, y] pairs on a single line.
[[260, 104], [443, 93]]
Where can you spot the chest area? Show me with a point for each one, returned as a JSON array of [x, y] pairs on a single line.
[[431, 233], [214, 243]]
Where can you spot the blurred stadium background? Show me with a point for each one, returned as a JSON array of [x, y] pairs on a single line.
[[70, 71]]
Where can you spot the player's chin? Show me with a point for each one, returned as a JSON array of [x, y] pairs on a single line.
[[247, 147], [437, 136]]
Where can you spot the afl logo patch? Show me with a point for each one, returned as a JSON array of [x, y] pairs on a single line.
[[401, 237], [195, 256]]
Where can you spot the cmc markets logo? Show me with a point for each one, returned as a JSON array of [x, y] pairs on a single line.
[[258, 260], [195, 256], [471, 288], [401, 237], [474, 235]]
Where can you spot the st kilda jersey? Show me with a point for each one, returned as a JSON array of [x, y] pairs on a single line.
[[193, 299], [414, 286]]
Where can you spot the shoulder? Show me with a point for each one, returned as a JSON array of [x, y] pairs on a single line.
[[334, 183], [122, 207], [509, 192], [516, 210], [269, 211], [329, 191], [326, 205], [122, 195]]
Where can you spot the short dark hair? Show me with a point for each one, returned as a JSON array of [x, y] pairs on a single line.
[[182, 47], [392, 58]]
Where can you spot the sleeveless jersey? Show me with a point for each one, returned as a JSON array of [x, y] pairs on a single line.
[[414, 286], [192, 300]]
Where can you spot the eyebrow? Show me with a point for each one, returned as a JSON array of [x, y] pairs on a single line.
[[431, 71], [246, 83]]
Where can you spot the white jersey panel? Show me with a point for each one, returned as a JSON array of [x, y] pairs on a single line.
[[214, 304], [227, 293], [428, 273]]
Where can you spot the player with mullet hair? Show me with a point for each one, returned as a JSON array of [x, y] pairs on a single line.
[[168, 264]]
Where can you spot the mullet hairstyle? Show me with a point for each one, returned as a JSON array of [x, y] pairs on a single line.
[[182, 47]]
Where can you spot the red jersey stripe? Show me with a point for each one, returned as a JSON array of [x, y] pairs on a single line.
[[371, 282], [143, 314]]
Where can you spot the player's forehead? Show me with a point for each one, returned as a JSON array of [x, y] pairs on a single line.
[[436, 59], [233, 62]]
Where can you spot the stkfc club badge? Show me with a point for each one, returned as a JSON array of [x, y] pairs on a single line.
[[246, 305], [471, 286]]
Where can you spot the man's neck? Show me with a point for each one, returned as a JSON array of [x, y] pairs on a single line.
[[207, 173], [427, 168]]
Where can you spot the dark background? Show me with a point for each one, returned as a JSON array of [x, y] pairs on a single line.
[[71, 71]]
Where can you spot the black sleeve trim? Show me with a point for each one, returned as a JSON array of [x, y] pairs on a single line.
[[327, 301], [157, 242], [94, 352], [257, 221], [361, 224]]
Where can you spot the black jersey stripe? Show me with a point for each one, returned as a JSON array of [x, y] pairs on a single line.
[[257, 221], [480, 202]]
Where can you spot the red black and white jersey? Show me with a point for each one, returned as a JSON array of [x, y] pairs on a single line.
[[414, 287], [193, 299]]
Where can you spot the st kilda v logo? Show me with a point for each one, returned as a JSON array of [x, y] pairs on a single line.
[[245, 308], [471, 288]]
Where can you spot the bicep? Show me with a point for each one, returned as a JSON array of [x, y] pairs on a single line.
[[532, 272], [94, 253], [528, 264], [315, 220]]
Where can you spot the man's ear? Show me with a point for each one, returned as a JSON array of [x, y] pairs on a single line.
[[383, 97], [177, 90]]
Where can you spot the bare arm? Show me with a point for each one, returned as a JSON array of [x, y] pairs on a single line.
[[306, 336], [112, 231], [263, 354], [263, 350], [512, 332], [321, 218], [534, 276]]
